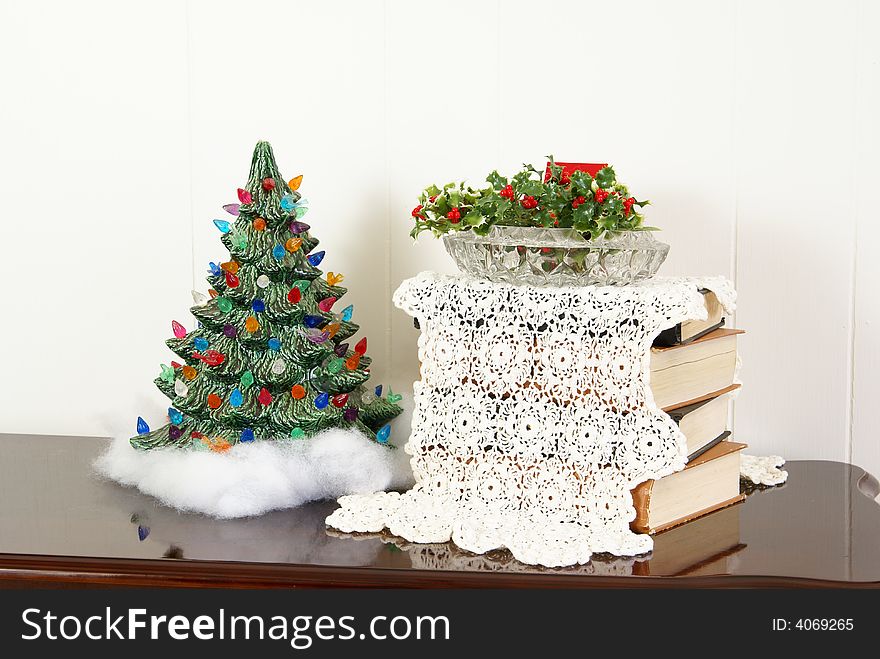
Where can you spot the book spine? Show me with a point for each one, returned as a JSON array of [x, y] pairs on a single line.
[[641, 495]]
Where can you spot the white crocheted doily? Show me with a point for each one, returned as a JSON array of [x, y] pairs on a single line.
[[763, 470], [533, 417]]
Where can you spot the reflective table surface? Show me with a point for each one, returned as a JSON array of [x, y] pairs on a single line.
[[61, 525]]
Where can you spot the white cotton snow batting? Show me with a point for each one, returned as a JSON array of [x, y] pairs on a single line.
[[251, 479]]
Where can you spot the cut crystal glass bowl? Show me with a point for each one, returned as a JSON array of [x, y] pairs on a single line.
[[556, 257]]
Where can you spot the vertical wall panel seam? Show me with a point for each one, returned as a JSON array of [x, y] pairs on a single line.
[[498, 83], [189, 130], [734, 242], [850, 411], [389, 338]]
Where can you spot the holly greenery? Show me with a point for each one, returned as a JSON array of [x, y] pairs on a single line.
[[594, 206]]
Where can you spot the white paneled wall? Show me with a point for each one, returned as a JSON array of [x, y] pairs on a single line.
[[97, 242], [750, 125]]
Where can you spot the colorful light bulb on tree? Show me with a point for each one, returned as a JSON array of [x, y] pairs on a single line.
[[270, 354]]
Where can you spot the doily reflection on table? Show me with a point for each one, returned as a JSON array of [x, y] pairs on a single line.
[[448, 556]]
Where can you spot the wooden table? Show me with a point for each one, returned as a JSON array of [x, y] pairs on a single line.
[[61, 526]]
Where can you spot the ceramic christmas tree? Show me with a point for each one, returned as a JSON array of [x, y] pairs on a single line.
[[274, 355]]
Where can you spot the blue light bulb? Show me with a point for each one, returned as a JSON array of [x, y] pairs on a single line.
[[378, 391], [322, 400], [142, 427], [279, 252], [316, 258], [176, 416], [258, 305], [274, 344], [383, 434], [247, 435], [200, 343], [215, 269], [223, 225], [288, 202], [313, 321], [236, 398], [347, 313]]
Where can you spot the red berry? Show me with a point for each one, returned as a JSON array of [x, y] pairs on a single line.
[[417, 211], [454, 216], [600, 195], [432, 199], [268, 184]]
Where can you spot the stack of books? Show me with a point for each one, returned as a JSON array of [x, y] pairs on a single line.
[[693, 366]]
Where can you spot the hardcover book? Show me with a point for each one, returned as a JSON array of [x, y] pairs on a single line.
[[695, 370], [703, 423], [707, 483]]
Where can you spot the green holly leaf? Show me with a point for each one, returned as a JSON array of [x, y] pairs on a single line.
[[607, 222], [531, 187], [542, 217], [432, 190], [454, 199], [496, 180], [555, 170], [473, 218], [613, 205], [521, 179], [555, 198], [482, 229], [605, 177], [487, 200], [565, 218], [581, 183], [582, 216]]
